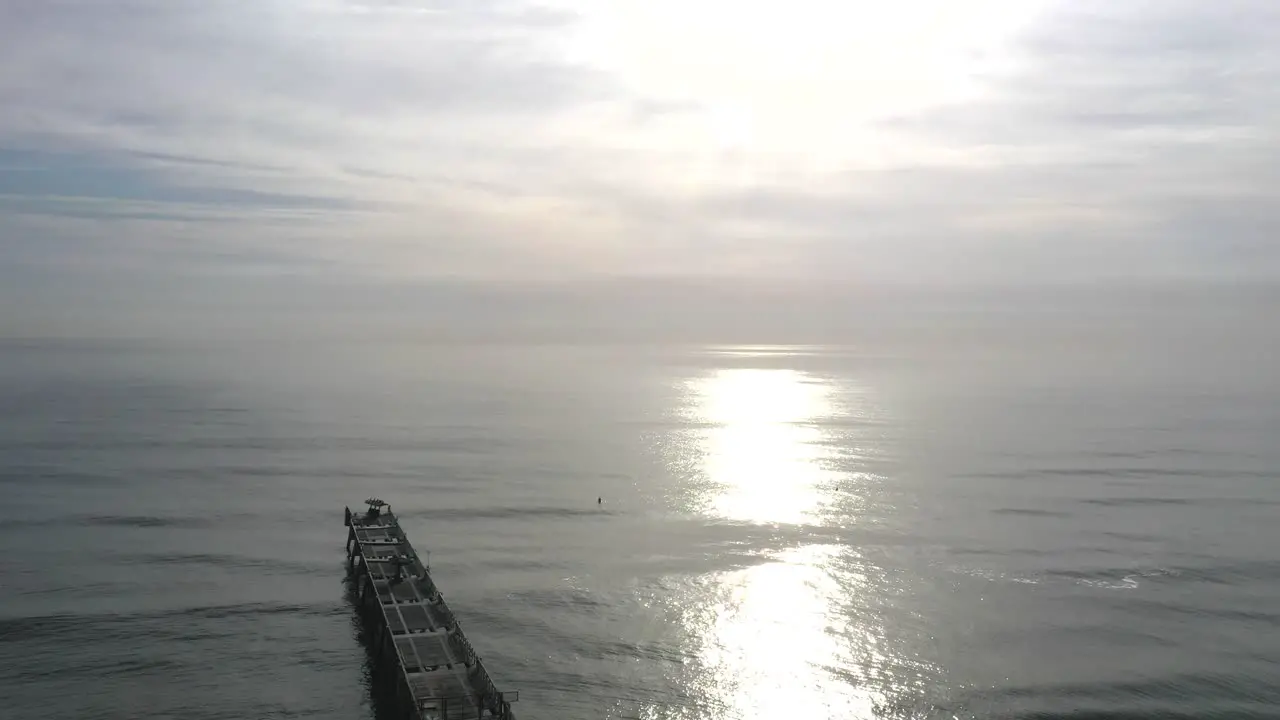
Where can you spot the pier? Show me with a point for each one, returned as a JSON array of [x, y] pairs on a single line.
[[417, 645]]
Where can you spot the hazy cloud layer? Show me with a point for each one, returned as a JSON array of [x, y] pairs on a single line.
[[501, 142]]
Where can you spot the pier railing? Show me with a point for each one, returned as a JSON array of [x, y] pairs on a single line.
[[489, 695], [450, 621]]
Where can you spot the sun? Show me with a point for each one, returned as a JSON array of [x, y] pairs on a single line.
[[803, 77], [730, 128]]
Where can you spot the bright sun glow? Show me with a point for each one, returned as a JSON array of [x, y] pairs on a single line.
[[766, 643], [766, 640], [808, 76], [763, 456]]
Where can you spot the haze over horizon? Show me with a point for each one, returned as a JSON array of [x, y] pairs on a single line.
[[728, 359], [570, 167]]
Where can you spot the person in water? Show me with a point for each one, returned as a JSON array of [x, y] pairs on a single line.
[[599, 500]]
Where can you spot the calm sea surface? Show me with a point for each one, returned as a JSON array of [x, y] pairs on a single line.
[[799, 532]]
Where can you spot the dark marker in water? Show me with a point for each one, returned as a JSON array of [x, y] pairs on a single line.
[[599, 500]]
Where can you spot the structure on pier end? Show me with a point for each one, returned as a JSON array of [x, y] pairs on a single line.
[[414, 637]]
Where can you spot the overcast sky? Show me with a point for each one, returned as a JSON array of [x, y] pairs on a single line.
[[216, 153]]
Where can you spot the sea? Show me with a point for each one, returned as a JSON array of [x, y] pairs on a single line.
[[1082, 529]]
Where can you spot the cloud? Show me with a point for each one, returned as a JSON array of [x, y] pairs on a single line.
[[1110, 141], [279, 105], [48, 178], [504, 142], [276, 83]]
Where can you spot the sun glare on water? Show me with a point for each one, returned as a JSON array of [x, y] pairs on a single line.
[[758, 450], [763, 455]]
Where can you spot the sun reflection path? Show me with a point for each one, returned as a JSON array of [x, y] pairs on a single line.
[[763, 450], [772, 640], [769, 647]]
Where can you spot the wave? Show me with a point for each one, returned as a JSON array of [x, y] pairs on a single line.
[[106, 626], [148, 521], [1155, 607], [116, 444], [1104, 579], [1128, 578], [140, 521], [1119, 472], [1188, 688], [1127, 501], [1031, 512], [506, 513], [270, 566]]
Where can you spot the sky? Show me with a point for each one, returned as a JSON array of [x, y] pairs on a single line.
[[165, 163]]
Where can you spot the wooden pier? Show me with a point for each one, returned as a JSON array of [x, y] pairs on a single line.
[[417, 644]]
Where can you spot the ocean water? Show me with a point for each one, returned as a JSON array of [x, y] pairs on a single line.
[[785, 532]]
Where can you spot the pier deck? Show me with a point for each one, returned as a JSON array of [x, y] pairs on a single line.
[[414, 635]]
